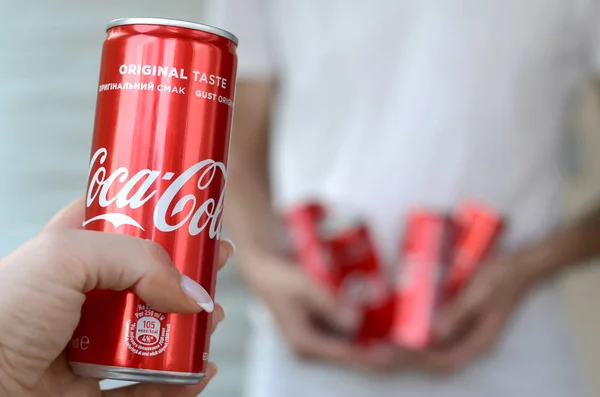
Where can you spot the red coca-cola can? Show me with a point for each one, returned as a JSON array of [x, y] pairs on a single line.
[[479, 227], [305, 222], [339, 252], [157, 171], [362, 284], [360, 277], [425, 253]]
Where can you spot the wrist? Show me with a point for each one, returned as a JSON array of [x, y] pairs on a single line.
[[257, 264], [552, 255]]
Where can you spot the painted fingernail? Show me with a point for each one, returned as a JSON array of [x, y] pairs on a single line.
[[197, 293]]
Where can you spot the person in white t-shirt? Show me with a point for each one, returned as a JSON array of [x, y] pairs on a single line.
[[382, 105]]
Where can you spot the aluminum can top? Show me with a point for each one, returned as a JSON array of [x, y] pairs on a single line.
[[175, 23]]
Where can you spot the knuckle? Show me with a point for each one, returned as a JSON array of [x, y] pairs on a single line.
[[447, 368], [156, 251], [444, 369], [7, 367], [56, 247], [51, 241], [303, 354], [298, 345], [52, 244]]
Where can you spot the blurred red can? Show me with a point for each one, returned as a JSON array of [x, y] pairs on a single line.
[[479, 229], [354, 256], [340, 253], [304, 223], [362, 284], [158, 172], [425, 252]]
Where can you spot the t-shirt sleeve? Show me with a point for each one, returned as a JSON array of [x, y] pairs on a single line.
[[249, 21]]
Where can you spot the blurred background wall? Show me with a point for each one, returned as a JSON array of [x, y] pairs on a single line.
[[48, 74]]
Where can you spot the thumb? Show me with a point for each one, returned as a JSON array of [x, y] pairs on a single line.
[[323, 302], [457, 314], [85, 260]]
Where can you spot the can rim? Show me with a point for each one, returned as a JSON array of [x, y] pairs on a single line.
[[332, 226], [173, 22]]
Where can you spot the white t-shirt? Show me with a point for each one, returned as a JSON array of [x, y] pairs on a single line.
[[388, 104]]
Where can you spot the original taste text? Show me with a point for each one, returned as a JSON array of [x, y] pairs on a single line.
[[203, 85], [181, 74]]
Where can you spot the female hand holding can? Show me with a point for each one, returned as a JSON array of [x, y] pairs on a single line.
[[158, 171], [42, 289]]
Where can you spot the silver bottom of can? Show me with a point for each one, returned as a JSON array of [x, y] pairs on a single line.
[[135, 374]]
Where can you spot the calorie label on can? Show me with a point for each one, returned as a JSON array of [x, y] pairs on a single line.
[[157, 171], [425, 252]]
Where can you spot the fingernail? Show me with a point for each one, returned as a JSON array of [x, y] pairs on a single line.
[[440, 327], [197, 293], [233, 249], [211, 370], [382, 355], [220, 314], [349, 318], [222, 307]]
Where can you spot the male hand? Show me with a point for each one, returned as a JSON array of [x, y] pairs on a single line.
[[312, 321], [471, 324]]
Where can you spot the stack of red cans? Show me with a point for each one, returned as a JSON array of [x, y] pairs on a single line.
[[438, 255], [340, 254]]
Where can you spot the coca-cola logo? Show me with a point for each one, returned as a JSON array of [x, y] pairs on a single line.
[[137, 189]]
